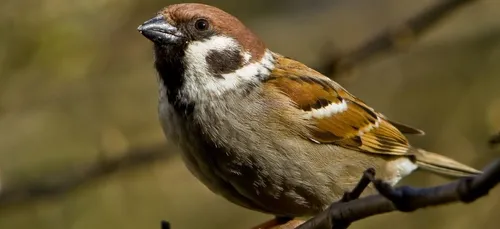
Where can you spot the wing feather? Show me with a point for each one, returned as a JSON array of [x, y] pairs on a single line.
[[338, 117]]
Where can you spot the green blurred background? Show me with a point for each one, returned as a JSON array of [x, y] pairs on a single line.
[[77, 84]]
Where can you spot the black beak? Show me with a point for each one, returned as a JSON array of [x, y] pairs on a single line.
[[159, 31]]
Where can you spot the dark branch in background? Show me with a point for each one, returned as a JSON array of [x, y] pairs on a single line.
[[405, 198], [65, 181], [495, 139], [165, 225], [393, 39]]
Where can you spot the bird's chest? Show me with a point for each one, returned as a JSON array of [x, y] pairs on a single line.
[[205, 150], [197, 154], [247, 161], [230, 155]]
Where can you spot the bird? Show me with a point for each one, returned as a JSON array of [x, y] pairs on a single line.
[[263, 130]]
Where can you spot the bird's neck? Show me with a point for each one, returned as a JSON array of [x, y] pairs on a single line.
[[171, 72], [186, 85]]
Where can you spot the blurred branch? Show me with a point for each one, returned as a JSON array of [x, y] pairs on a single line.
[[165, 225], [405, 198], [66, 181], [397, 38], [495, 139]]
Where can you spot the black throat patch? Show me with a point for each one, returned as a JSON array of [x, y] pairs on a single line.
[[170, 67]]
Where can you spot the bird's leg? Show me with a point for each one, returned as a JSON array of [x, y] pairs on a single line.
[[277, 223], [400, 197], [397, 197], [289, 223], [366, 179]]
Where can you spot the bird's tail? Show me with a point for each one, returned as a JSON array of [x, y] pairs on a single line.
[[442, 165]]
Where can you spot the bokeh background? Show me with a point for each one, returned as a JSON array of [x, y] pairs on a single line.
[[77, 84]]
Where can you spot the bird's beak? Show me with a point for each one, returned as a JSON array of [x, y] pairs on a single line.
[[159, 31]]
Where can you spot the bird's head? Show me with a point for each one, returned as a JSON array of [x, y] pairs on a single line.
[[203, 52]]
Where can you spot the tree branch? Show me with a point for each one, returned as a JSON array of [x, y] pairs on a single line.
[[363, 183], [406, 199], [397, 38], [165, 225], [63, 182]]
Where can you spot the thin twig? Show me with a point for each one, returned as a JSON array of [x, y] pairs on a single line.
[[397, 38], [407, 199]]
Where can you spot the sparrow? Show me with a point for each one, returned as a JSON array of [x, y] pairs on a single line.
[[265, 131]]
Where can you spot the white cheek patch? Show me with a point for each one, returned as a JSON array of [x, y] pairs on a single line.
[[250, 73], [197, 75], [197, 51], [327, 111], [200, 82], [246, 57]]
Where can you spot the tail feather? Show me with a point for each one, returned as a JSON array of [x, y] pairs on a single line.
[[442, 165]]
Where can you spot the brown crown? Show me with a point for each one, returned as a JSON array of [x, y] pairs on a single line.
[[221, 21]]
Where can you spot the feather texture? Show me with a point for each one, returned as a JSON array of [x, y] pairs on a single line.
[[338, 117]]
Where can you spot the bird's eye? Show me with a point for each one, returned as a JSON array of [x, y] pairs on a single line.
[[201, 24]]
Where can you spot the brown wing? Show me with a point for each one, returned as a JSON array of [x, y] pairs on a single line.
[[338, 117], [405, 129]]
